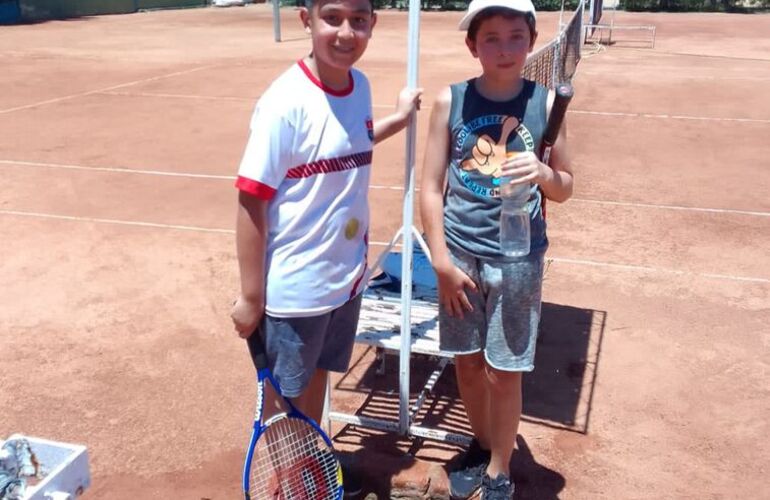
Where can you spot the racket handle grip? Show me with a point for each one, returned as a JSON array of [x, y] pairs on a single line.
[[564, 93], [257, 350], [546, 156]]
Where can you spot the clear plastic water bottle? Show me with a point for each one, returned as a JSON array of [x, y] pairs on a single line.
[[514, 219]]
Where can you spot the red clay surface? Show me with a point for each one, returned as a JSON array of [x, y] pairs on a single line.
[[117, 277]]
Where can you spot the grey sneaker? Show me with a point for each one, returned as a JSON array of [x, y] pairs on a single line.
[[465, 480], [499, 488]]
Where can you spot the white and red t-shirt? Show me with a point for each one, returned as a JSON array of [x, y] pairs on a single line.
[[309, 153]]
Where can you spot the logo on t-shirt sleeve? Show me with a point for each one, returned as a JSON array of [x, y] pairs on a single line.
[[370, 128]]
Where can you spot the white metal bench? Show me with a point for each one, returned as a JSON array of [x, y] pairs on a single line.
[[380, 325]]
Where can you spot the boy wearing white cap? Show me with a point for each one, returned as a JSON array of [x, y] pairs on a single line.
[[483, 130]]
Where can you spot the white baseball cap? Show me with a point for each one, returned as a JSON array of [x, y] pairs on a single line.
[[477, 6]]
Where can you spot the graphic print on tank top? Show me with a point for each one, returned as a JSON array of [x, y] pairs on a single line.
[[486, 154]]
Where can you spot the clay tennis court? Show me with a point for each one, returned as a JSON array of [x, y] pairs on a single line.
[[119, 140]]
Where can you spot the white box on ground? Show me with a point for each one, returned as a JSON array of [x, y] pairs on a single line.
[[65, 467]]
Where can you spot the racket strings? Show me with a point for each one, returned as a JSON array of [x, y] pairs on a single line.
[[292, 462]]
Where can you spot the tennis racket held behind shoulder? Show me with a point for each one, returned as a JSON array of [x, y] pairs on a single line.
[[564, 93], [289, 456]]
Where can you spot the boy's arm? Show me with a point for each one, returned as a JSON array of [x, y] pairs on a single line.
[[558, 187], [408, 101], [251, 243], [555, 179], [452, 282], [433, 180]]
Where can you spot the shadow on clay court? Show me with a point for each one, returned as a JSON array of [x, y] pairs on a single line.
[[558, 394], [59, 19]]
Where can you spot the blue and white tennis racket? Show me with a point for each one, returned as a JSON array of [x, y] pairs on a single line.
[[289, 457]]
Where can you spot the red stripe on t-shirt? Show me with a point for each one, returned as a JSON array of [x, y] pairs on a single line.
[[254, 188], [336, 93], [330, 165]]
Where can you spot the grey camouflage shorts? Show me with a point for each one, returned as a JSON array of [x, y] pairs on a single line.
[[506, 311]]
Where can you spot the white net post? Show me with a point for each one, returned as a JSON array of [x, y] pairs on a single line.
[[277, 20], [413, 50]]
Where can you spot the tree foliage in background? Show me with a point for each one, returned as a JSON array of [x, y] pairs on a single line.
[[632, 5], [694, 5], [448, 4], [462, 5], [570, 5]]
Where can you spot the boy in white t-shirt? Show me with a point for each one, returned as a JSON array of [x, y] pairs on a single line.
[[303, 214]]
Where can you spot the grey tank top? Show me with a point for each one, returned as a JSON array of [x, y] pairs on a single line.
[[482, 133]]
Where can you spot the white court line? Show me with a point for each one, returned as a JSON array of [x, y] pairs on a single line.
[[672, 117], [180, 96], [630, 267], [97, 91], [120, 170], [708, 56], [627, 267], [657, 69], [671, 207], [222, 98], [123, 170], [632, 204], [219, 98], [375, 106], [198, 229]]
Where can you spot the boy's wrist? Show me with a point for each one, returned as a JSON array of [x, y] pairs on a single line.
[[441, 262], [548, 174], [253, 298], [401, 117]]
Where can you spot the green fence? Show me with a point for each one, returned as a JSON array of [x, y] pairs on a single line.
[[168, 4], [39, 10], [9, 11], [695, 5], [569, 5]]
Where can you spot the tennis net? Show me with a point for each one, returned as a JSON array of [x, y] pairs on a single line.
[[557, 61]]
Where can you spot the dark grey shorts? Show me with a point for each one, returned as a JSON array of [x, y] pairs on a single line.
[[506, 312], [296, 347]]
